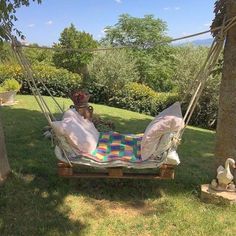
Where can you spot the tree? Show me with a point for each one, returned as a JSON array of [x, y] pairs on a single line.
[[110, 71], [226, 123], [143, 36], [71, 60], [4, 164], [7, 18]]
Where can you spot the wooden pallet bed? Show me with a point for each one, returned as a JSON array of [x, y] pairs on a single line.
[[165, 172]]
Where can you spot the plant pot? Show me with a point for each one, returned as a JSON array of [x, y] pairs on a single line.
[[7, 97]]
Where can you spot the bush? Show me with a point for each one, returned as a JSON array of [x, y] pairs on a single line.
[[189, 61], [205, 114], [10, 85], [109, 72], [140, 98], [59, 81]]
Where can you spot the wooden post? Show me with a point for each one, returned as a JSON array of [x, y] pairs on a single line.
[[115, 172], [4, 164]]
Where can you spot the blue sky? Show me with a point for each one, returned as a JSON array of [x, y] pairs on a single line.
[[43, 23]]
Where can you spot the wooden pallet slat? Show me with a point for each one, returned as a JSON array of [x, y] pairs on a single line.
[[166, 172]]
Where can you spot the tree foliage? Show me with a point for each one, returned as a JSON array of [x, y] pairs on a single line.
[[8, 17], [189, 60], [110, 70], [6, 55], [220, 13], [143, 36], [72, 60]]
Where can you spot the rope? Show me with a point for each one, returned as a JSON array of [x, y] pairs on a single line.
[[122, 47], [206, 69], [196, 78], [27, 70], [201, 77], [41, 102], [114, 48]]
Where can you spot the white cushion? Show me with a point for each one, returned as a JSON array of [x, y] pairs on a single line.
[[172, 158], [168, 121], [164, 144], [80, 133]]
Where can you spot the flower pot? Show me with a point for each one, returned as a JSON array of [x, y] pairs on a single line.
[[7, 97]]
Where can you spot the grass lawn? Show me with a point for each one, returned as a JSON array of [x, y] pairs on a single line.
[[35, 201]]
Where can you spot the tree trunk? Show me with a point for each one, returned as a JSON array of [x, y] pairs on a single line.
[[226, 124], [4, 165]]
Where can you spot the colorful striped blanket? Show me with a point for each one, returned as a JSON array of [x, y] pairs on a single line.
[[115, 146]]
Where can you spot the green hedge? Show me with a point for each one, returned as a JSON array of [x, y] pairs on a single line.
[[140, 98], [59, 81]]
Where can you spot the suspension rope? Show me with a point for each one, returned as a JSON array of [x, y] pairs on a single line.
[[39, 98], [205, 71], [114, 48], [125, 47], [201, 77]]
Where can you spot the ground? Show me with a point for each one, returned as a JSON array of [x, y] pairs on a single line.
[[35, 201]]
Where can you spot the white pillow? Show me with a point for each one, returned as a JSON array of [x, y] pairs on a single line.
[[168, 121], [164, 143], [80, 133], [172, 158]]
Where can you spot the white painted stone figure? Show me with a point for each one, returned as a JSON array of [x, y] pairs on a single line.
[[224, 178]]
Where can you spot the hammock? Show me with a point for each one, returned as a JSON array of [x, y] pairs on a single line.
[[166, 170]]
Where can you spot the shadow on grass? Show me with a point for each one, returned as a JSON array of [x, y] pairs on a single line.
[[36, 194], [127, 125]]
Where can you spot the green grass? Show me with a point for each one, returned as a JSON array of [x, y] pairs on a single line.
[[35, 201]]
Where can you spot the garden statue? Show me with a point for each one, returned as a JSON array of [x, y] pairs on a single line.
[[80, 99], [224, 179]]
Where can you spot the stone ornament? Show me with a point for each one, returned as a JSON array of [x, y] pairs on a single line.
[[224, 179]]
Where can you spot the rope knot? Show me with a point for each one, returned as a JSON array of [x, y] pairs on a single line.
[[176, 141]]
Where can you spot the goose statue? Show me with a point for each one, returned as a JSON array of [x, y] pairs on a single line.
[[224, 176]]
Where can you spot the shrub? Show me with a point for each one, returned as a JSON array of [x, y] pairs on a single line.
[[59, 81], [189, 61], [205, 114], [9, 85], [109, 72], [140, 98]]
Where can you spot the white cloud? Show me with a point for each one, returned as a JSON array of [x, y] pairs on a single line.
[[118, 1], [31, 25], [171, 8], [50, 22]]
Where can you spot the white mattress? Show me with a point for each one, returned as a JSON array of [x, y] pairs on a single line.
[[148, 164]]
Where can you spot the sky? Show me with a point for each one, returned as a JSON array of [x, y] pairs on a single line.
[[43, 23]]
